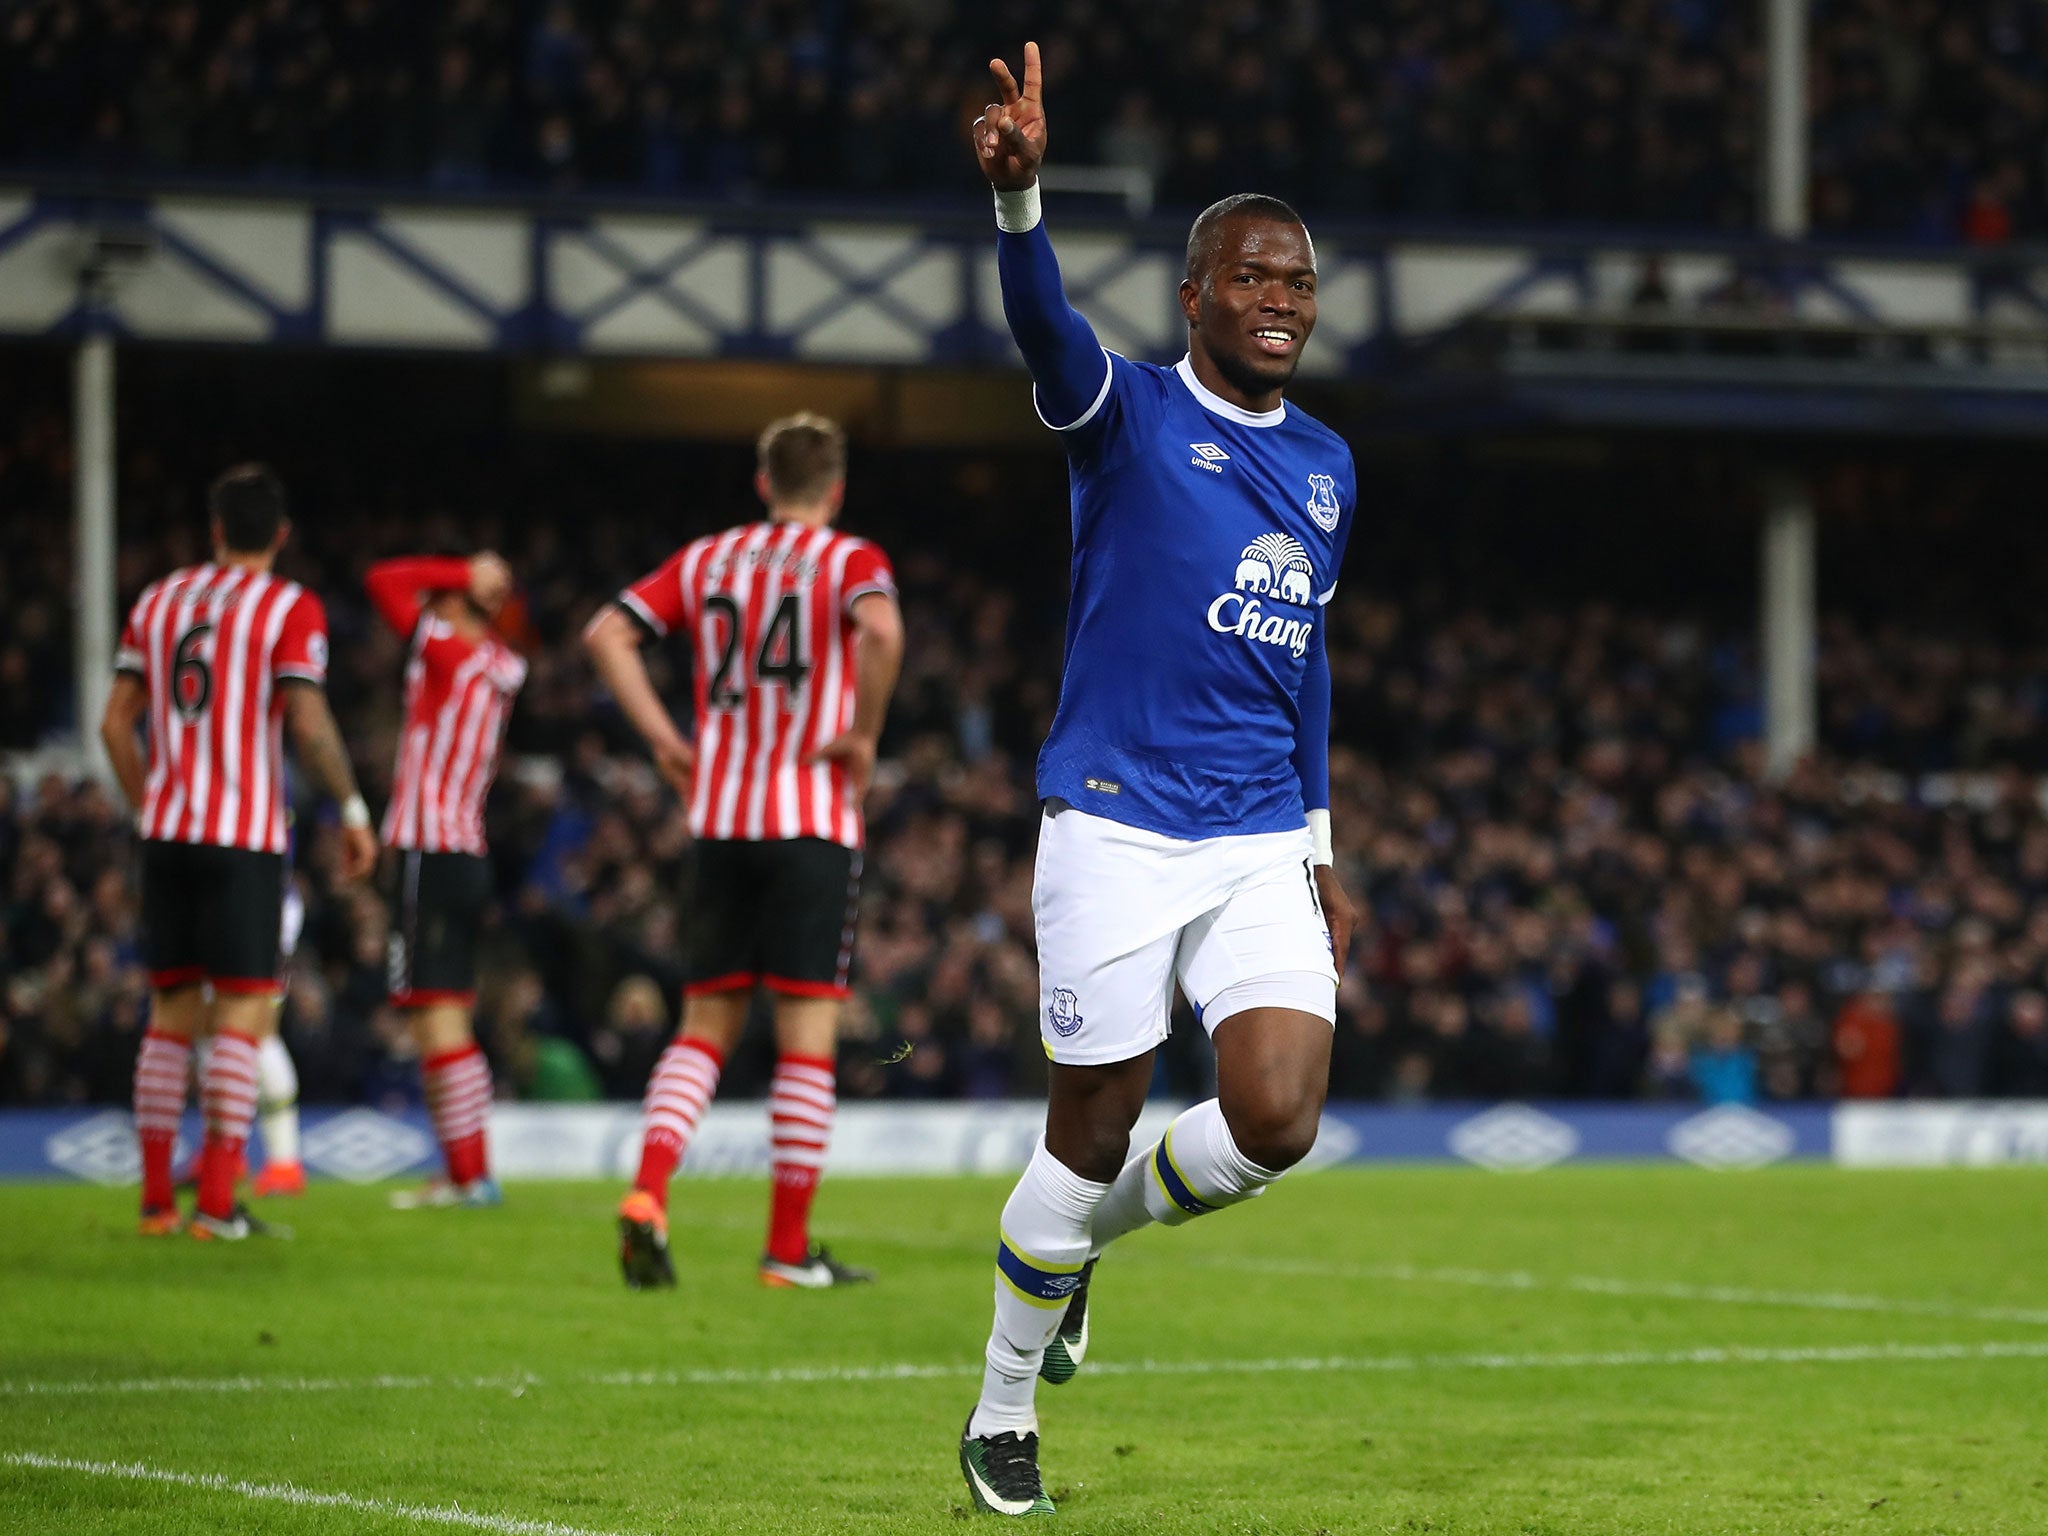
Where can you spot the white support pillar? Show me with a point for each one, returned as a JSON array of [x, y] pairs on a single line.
[[1789, 637], [93, 595], [1784, 137]]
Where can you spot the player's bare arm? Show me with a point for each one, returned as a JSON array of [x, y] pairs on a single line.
[[118, 731], [877, 660], [400, 589], [613, 642], [324, 756], [490, 580], [1010, 134]]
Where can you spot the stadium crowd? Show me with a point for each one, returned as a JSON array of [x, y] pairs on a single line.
[[1577, 881], [1926, 118]]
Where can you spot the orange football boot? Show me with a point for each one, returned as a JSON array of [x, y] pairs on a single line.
[[643, 1242], [280, 1179]]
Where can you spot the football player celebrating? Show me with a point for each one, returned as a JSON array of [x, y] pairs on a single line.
[[795, 645], [1186, 779], [460, 681], [221, 658]]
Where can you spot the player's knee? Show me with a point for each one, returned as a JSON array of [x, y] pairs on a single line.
[[1101, 1155], [1090, 1147], [1274, 1130]]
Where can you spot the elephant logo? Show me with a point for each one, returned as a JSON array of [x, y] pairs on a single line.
[[1276, 565], [1322, 502], [1272, 568]]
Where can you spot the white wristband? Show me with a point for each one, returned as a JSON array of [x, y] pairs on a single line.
[[1319, 829], [1018, 213], [355, 812]]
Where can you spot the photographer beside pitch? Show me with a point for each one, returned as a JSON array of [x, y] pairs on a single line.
[[1186, 778]]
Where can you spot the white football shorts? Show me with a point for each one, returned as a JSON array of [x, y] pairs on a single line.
[[1123, 913]]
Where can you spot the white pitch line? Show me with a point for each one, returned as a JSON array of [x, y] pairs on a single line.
[[1524, 1280], [1709, 1354], [289, 1493], [232, 1385], [1656, 1290]]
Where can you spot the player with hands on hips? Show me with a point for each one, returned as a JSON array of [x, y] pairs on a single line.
[[795, 642]]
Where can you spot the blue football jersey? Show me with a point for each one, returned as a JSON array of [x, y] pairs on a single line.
[[1206, 541]]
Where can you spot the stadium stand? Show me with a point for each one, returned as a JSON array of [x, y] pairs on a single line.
[[1924, 117], [1548, 792]]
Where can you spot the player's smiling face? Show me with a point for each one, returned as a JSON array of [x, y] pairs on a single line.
[[1252, 312]]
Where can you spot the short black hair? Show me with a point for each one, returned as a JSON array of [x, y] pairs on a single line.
[[1202, 235], [248, 500]]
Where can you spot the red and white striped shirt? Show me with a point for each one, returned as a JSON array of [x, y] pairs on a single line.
[[769, 611], [458, 697], [212, 643]]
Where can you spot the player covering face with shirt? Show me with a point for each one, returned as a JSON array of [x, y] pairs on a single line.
[[460, 682], [1186, 778]]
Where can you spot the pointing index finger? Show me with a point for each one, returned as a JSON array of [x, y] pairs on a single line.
[[1007, 80], [1033, 79]]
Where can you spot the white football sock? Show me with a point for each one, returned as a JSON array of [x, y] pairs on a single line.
[[1193, 1169], [1044, 1245], [277, 1101]]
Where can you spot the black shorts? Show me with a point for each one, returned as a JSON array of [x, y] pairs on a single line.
[[437, 916], [211, 914], [780, 913]]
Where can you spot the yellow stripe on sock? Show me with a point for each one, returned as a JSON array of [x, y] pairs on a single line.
[[1036, 1262], [1166, 1146], [1056, 1304]]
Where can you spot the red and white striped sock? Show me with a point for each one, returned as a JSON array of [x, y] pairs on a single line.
[[683, 1082], [800, 1105], [227, 1095], [458, 1086], [160, 1069]]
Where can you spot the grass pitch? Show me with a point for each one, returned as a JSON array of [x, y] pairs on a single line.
[[1587, 1350]]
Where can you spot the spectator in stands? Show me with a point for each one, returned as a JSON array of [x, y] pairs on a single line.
[[2019, 1066], [1866, 1039], [1573, 866], [1923, 119]]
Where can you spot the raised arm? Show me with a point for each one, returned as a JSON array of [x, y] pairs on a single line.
[[399, 589], [1059, 347]]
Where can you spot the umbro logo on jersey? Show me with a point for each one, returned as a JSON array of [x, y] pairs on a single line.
[[1208, 456]]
